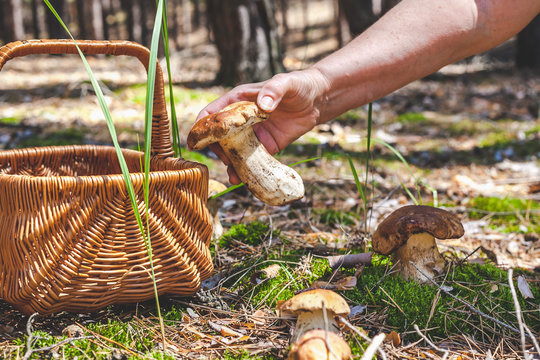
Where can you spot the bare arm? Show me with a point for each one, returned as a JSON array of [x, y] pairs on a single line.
[[414, 39]]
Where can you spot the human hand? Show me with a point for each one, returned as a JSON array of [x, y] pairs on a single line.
[[295, 101]]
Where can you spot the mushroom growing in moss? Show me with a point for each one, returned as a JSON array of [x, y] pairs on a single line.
[[268, 179], [409, 233], [309, 306], [320, 345]]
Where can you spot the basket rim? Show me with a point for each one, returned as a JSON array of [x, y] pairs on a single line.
[[136, 177]]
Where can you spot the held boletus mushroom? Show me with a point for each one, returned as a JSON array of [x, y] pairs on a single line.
[[410, 232], [231, 127], [309, 305]]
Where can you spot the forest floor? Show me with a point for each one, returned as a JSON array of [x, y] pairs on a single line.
[[470, 135]]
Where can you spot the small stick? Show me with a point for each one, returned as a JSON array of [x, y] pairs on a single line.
[[430, 343], [359, 333], [29, 331], [349, 261], [373, 347], [328, 347], [466, 303], [519, 315]]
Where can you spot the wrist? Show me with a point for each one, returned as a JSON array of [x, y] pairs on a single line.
[[320, 86]]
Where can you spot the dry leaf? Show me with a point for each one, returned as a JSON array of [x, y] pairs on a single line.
[[258, 317], [347, 283], [227, 331], [524, 288], [192, 313], [269, 272], [394, 338]]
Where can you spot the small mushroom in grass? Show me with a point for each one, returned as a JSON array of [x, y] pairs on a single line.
[[214, 188], [309, 305], [231, 127], [319, 344], [409, 233]]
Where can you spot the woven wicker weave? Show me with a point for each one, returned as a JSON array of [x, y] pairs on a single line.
[[69, 239]]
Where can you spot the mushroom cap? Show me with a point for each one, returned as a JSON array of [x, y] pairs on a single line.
[[312, 346], [397, 227], [223, 123], [312, 300], [215, 187]]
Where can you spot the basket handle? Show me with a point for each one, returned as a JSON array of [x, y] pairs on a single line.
[[161, 141]]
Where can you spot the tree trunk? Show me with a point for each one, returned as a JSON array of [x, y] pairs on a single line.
[[96, 11], [245, 34], [13, 20], [358, 13], [81, 18], [129, 23], [35, 17], [528, 45], [55, 30]]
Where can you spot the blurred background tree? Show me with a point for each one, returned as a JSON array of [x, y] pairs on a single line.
[[252, 37]]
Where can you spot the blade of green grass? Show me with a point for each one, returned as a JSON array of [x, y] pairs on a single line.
[[357, 182], [174, 121], [368, 146], [108, 119], [150, 84], [402, 159]]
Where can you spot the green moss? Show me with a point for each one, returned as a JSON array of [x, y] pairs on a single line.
[[412, 118], [532, 131], [118, 331], [62, 137], [252, 234], [469, 127], [291, 279], [245, 355], [496, 139], [351, 117], [197, 157], [11, 120], [504, 213], [406, 303]]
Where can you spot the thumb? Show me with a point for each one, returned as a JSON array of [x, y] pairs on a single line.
[[272, 92]]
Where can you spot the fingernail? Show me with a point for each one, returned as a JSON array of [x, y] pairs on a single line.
[[266, 103]]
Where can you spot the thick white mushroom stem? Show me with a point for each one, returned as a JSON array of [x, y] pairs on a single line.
[[309, 320], [268, 179], [422, 250]]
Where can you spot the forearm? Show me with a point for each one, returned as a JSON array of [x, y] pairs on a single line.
[[414, 39]]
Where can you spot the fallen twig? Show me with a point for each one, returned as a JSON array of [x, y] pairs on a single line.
[[362, 335], [373, 347], [521, 324], [431, 343], [31, 337]]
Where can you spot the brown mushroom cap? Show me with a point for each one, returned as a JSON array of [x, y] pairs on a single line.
[[397, 227], [215, 187], [312, 346], [227, 121], [312, 300]]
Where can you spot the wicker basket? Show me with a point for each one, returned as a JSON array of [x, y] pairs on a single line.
[[69, 239]]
